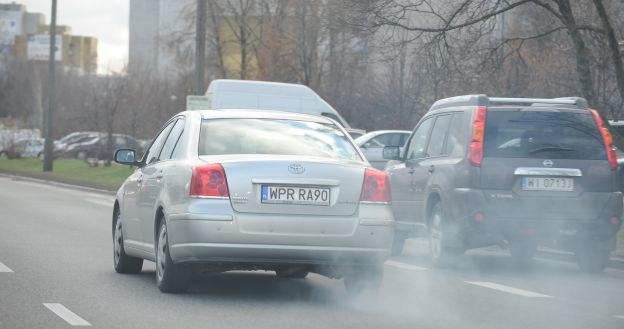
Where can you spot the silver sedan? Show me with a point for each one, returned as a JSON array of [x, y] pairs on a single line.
[[253, 190]]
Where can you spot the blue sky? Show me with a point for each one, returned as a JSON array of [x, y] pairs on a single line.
[[105, 19]]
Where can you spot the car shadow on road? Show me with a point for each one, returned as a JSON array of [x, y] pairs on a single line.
[[260, 286]]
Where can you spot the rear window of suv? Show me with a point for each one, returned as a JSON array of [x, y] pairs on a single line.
[[542, 134]]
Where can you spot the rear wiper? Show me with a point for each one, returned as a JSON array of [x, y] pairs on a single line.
[[551, 149]]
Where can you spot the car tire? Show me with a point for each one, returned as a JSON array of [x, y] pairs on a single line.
[[398, 244], [170, 277], [522, 252], [593, 259], [441, 250], [122, 262], [364, 280], [292, 273]]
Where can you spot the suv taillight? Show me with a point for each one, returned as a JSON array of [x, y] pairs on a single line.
[[478, 132], [209, 181], [376, 187], [607, 139]]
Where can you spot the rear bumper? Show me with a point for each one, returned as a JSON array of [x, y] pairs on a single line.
[[281, 239], [496, 227]]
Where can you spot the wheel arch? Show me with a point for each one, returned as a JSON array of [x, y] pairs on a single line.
[[433, 198], [158, 219], [114, 220]]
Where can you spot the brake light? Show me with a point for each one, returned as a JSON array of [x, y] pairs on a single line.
[[209, 181], [376, 187], [478, 133], [607, 139]]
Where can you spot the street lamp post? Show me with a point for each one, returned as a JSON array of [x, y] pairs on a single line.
[[200, 46], [48, 147]]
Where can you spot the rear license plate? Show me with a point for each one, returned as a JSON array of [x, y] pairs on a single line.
[[317, 196], [547, 184]]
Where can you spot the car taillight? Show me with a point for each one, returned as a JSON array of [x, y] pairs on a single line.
[[376, 187], [209, 181], [607, 139], [478, 133]]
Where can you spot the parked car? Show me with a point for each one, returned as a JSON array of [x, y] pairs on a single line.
[[72, 138], [94, 146], [480, 171], [214, 192], [373, 143], [25, 148]]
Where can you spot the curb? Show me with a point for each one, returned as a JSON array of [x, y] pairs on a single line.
[[18, 177]]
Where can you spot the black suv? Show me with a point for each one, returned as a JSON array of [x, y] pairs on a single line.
[[481, 171]]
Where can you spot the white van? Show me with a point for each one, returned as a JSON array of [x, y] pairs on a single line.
[[262, 95]]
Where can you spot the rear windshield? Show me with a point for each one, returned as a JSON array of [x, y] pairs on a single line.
[[271, 136], [547, 134]]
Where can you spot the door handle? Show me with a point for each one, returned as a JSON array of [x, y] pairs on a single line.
[[159, 175], [411, 170], [140, 180], [431, 169]]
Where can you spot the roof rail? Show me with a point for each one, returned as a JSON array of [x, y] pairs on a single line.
[[484, 100]]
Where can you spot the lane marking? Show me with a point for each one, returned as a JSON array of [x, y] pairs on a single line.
[[101, 202], [510, 290], [619, 317], [5, 269], [405, 266], [67, 315]]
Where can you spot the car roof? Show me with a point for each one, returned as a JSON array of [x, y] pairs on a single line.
[[260, 114]]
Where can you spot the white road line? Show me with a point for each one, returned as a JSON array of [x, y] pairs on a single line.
[[5, 269], [67, 315], [619, 317], [405, 266], [510, 290], [101, 202]]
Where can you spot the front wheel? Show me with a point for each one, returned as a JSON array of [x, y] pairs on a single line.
[[123, 263], [441, 250], [170, 278]]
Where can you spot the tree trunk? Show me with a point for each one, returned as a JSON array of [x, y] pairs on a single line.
[[613, 46], [583, 69]]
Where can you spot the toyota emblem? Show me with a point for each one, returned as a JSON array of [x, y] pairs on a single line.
[[296, 168], [548, 163]]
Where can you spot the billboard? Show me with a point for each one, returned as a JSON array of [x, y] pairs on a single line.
[[38, 48], [10, 26]]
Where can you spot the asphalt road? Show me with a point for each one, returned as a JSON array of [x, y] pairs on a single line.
[[56, 271]]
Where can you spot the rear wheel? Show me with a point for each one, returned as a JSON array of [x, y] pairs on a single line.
[[441, 250], [170, 278], [123, 263], [593, 258], [362, 280]]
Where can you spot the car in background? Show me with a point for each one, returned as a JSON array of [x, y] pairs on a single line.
[[25, 148], [355, 133], [373, 143], [215, 193], [480, 171], [95, 146], [72, 138]]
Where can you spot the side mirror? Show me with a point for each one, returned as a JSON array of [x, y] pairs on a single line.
[[126, 157], [392, 153]]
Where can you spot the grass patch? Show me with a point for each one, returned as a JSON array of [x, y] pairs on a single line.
[[70, 171]]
